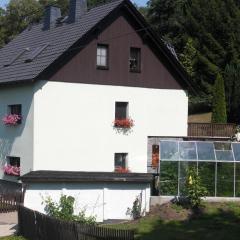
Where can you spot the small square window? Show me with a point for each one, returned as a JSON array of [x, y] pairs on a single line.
[[121, 110], [16, 109], [120, 161], [14, 161], [102, 56], [135, 60]]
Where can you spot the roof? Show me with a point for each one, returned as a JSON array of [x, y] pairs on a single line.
[[70, 176], [56, 44], [59, 39]]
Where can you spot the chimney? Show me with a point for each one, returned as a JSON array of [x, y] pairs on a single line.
[[52, 13], [77, 8]]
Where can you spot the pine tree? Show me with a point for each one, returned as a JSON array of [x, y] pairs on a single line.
[[232, 85], [219, 103]]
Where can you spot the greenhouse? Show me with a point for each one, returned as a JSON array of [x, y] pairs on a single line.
[[217, 163]]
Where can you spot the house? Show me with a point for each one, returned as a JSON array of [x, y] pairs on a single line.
[[80, 95]]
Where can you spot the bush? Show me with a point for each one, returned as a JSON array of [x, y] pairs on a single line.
[[135, 212], [64, 210], [194, 189]]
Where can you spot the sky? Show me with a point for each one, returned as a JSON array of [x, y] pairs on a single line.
[[138, 2]]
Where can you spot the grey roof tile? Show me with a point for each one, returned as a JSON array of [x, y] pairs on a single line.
[[59, 39]]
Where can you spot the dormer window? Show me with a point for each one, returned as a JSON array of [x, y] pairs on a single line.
[[102, 56], [135, 60]]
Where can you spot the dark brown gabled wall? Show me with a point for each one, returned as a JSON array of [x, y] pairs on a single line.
[[120, 36]]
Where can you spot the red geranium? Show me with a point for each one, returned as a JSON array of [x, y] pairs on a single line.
[[122, 170], [124, 123]]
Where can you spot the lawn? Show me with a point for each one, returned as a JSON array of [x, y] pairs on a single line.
[[12, 238], [217, 221]]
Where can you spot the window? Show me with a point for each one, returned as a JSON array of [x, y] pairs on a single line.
[[120, 161], [121, 110], [102, 56], [135, 60], [155, 156], [15, 109], [14, 161]]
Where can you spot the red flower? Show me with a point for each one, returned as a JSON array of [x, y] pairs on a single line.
[[11, 119], [122, 170], [123, 123]]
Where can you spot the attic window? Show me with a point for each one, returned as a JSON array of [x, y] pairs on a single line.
[[135, 60], [102, 56], [20, 53], [34, 53]]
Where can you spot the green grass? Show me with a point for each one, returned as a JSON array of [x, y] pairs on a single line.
[[219, 221], [12, 238]]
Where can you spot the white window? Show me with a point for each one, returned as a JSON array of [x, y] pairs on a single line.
[[102, 56]]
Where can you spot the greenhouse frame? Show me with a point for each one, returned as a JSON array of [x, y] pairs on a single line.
[[217, 164]]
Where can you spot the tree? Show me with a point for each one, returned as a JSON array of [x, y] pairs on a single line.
[[213, 29], [188, 57], [219, 103], [232, 83]]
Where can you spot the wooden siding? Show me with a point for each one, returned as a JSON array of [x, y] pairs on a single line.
[[120, 36]]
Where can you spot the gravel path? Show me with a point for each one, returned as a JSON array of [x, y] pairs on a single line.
[[8, 223]]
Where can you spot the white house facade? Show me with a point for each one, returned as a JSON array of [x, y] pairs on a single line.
[[88, 98]]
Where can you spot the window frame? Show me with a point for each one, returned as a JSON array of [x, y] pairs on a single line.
[[14, 158], [12, 111], [127, 110], [101, 67], [123, 154], [139, 60]]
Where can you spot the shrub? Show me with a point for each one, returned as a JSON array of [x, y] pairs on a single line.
[[194, 189], [64, 210], [135, 212]]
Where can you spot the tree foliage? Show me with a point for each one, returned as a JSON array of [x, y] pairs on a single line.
[[232, 84], [219, 103], [212, 26], [64, 210]]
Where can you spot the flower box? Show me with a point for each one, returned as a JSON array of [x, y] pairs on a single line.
[[124, 123], [11, 170], [12, 119], [122, 170]]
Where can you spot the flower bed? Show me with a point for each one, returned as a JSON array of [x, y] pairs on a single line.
[[124, 123], [122, 170], [11, 119], [11, 170]]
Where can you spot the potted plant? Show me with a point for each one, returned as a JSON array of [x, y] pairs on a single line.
[[123, 125], [12, 119], [11, 170], [122, 170]]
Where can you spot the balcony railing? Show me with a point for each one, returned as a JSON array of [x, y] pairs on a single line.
[[211, 129]]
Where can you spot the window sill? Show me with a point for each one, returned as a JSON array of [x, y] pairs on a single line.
[[102, 68], [134, 71]]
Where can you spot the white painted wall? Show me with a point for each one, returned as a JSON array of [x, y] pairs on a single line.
[[73, 127], [17, 140], [103, 200]]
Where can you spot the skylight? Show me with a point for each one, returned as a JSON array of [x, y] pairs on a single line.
[[35, 52], [11, 61]]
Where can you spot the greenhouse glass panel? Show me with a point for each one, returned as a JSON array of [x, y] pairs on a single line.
[[169, 150], [237, 180], [184, 166], [222, 146], [206, 172], [187, 151], [168, 178], [225, 179], [236, 151], [205, 151], [224, 155]]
